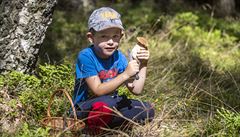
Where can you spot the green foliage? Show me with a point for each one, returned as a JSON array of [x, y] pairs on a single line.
[[226, 123], [17, 81], [211, 45], [139, 21], [56, 76], [124, 91], [32, 131], [1, 81], [49, 76], [230, 27], [52, 77], [186, 18], [230, 120], [35, 102], [186, 27], [12, 108], [34, 93]]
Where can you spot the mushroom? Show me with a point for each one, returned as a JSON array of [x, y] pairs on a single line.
[[141, 42]]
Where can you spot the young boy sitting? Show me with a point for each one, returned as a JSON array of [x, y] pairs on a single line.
[[101, 68]]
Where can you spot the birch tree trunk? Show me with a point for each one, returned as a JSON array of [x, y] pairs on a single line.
[[23, 24], [225, 7]]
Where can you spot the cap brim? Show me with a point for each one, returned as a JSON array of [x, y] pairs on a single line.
[[107, 27]]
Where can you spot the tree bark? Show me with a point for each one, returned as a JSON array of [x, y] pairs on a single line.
[[23, 24], [225, 7]]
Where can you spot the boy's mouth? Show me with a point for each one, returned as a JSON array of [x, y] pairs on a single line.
[[110, 48]]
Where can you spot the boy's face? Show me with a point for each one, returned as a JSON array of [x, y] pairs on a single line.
[[105, 42]]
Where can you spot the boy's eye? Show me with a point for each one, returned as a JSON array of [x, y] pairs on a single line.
[[116, 36], [103, 36]]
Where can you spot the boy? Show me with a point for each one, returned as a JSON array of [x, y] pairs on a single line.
[[101, 69]]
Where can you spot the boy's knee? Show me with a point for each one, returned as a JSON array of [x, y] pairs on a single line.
[[100, 115]]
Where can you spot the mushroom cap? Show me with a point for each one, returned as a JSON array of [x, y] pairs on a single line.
[[142, 42]]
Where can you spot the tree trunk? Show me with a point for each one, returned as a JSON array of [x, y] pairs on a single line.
[[225, 7], [23, 24]]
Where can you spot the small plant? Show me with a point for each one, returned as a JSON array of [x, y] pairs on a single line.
[[35, 102], [210, 44], [124, 91], [1, 81], [56, 76], [31, 131], [230, 120], [17, 81], [225, 124]]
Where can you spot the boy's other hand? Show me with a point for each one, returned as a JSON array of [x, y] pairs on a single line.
[[132, 68], [143, 56]]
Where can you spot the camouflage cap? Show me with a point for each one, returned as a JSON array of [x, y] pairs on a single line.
[[104, 18]]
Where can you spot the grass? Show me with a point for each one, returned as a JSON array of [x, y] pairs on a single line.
[[186, 89]]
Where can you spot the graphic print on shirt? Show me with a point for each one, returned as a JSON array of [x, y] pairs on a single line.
[[106, 75]]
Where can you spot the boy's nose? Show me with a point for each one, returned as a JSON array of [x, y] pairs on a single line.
[[110, 41]]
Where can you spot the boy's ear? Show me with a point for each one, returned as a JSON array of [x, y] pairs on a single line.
[[90, 37], [122, 34]]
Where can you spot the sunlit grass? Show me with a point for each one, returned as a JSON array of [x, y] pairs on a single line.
[[186, 88]]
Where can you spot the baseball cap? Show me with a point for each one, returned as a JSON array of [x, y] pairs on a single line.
[[104, 18]]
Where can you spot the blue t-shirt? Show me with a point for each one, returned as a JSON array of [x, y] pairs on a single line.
[[89, 64]]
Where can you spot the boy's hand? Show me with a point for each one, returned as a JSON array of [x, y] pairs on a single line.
[[132, 68], [143, 56]]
